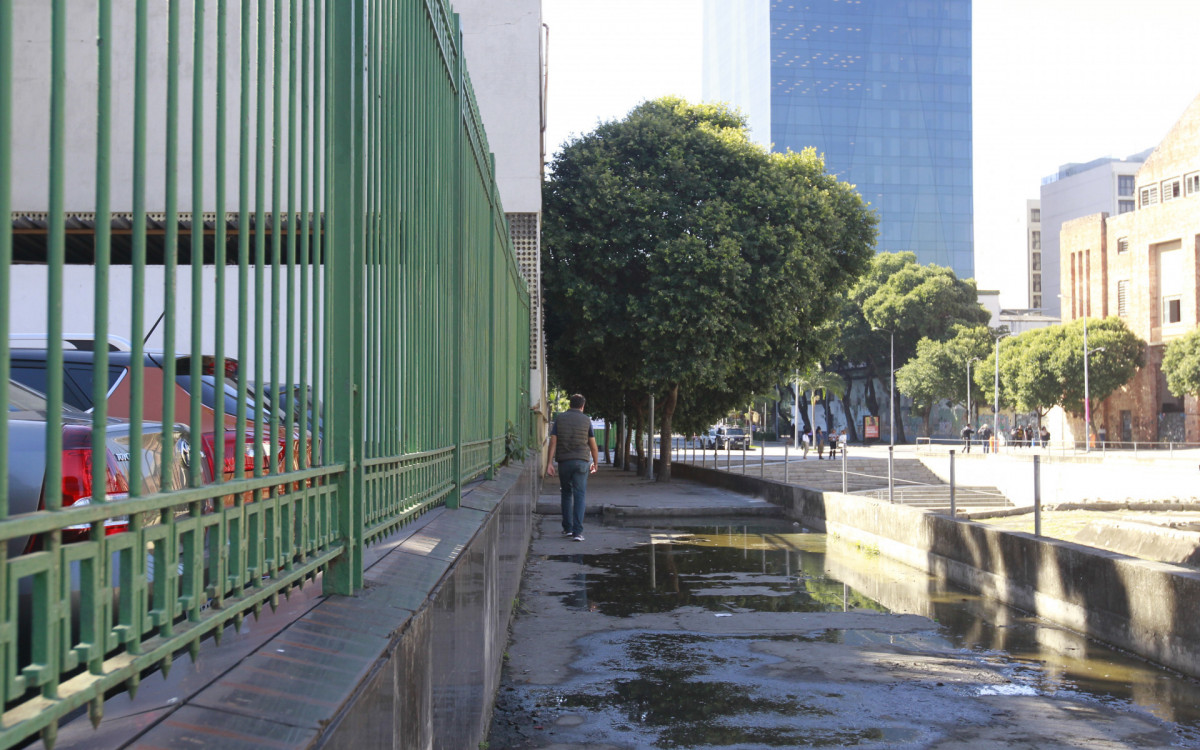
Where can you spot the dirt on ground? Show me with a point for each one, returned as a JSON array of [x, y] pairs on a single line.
[[624, 641]]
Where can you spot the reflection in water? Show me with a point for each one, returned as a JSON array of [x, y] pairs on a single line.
[[767, 567], [725, 569]]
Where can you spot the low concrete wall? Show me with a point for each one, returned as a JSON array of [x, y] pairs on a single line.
[[412, 660], [1141, 606], [1115, 477]]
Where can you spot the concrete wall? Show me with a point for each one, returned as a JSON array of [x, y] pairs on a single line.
[[1144, 607], [412, 660], [1116, 477]]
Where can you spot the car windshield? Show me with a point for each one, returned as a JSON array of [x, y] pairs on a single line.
[[208, 395], [21, 398], [735, 431]]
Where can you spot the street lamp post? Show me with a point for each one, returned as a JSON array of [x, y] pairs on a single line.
[[996, 397], [1087, 400], [892, 386], [969, 361]]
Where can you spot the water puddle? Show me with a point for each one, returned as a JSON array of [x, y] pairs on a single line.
[[689, 690], [720, 568]]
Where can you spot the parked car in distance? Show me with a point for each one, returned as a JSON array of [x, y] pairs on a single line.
[[27, 461], [29, 420], [732, 437], [29, 367]]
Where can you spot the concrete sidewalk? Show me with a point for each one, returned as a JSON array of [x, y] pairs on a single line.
[[615, 492]]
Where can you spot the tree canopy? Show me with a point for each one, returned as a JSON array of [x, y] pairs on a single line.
[[1043, 367], [1181, 365], [682, 260], [938, 371], [898, 294]]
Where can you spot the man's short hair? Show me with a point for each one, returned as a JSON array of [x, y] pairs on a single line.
[[577, 401]]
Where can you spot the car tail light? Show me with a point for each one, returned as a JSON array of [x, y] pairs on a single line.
[[231, 451], [77, 482]]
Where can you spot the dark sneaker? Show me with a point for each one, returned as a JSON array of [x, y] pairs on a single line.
[[567, 533], [579, 537]]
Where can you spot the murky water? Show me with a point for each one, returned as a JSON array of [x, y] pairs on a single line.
[[686, 686]]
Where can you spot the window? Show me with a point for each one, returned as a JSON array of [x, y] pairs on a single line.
[[1035, 215], [1037, 301], [1149, 195], [1037, 283], [1123, 298], [1171, 189], [1035, 263], [1125, 184], [1122, 244], [1171, 311], [1036, 241], [1124, 207], [1191, 184]]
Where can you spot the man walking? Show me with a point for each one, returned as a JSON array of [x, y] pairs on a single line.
[[966, 438], [573, 446]]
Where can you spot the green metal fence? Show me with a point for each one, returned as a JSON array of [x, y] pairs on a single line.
[[325, 162]]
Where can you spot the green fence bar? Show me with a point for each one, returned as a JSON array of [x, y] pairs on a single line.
[[363, 282]]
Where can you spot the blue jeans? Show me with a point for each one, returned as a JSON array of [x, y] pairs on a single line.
[[573, 475]]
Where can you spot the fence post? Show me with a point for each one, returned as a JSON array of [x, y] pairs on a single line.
[[844, 485], [459, 266], [491, 397], [1037, 496], [891, 476], [346, 260], [762, 460], [953, 510], [786, 466]]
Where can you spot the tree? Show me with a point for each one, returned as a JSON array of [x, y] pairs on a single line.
[[938, 371], [815, 380], [897, 294], [682, 260], [1181, 365], [1043, 367], [1122, 356]]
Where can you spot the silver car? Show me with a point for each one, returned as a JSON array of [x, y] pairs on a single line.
[[27, 426]]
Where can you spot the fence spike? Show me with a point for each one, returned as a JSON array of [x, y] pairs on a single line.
[[96, 711], [50, 734]]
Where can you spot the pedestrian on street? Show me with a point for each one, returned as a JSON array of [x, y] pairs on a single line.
[[806, 440], [1044, 436], [966, 438], [819, 440], [842, 442], [573, 447], [985, 436]]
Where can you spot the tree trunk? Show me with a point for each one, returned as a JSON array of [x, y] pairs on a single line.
[[664, 438], [639, 439], [617, 462], [899, 423], [607, 456], [870, 398], [851, 430]]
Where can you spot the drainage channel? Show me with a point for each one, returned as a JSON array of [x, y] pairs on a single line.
[[740, 634]]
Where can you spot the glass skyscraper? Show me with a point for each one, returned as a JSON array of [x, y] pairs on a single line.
[[882, 88]]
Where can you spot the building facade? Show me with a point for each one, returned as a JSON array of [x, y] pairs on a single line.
[[504, 44], [1103, 185], [1033, 251], [1143, 266], [881, 88]]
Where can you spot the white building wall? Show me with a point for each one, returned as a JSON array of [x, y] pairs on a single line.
[[737, 60], [31, 105], [504, 44], [1072, 196]]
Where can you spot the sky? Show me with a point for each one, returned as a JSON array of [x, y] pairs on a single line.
[[1055, 82]]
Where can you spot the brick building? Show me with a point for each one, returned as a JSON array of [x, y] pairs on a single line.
[[1144, 266]]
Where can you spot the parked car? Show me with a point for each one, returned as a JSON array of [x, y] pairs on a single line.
[[29, 367], [27, 461], [28, 423], [732, 437], [708, 440]]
